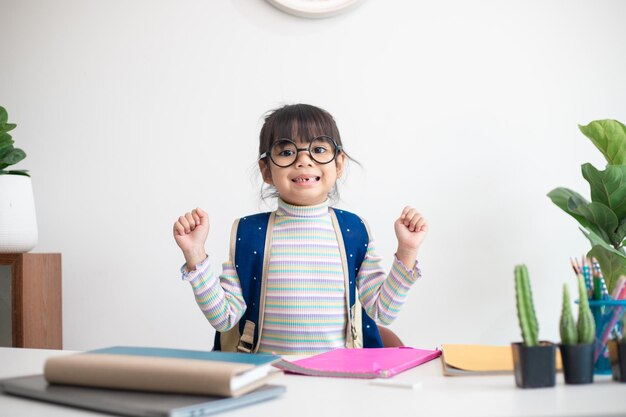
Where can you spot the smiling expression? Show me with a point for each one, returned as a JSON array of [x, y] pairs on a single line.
[[305, 183]]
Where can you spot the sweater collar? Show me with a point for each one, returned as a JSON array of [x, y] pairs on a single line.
[[289, 210]]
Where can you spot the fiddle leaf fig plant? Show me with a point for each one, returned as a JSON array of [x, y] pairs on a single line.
[[9, 155], [603, 219], [609, 136]]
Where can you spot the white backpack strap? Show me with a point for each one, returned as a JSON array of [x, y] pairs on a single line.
[[266, 264]]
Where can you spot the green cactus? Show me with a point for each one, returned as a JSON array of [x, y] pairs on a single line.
[[586, 324], [525, 308], [569, 335]]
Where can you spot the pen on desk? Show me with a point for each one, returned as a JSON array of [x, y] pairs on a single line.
[[397, 384]]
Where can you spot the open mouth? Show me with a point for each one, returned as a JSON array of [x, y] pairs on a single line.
[[305, 179]]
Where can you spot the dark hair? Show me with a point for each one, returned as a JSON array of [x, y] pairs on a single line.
[[298, 122]]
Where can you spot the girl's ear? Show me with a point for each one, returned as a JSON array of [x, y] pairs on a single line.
[[340, 163], [265, 172]]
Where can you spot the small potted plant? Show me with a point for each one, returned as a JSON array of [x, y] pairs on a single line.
[[577, 338], [534, 361], [18, 222], [617, 355]]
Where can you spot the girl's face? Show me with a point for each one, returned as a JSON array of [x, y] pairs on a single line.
[[305, 182]]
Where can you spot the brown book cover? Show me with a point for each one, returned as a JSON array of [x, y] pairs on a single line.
[[459, 359], [162, 370]]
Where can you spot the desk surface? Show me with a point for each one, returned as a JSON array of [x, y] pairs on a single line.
[[436, 395]]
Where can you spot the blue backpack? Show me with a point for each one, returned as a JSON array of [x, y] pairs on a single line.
[[249, 243]]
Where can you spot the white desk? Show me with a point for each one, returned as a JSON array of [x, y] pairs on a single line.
[[315, 397]]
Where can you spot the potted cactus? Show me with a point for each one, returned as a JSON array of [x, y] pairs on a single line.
[[577, 338], [18, 222], [534, 361]]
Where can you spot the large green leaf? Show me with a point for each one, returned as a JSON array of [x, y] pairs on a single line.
[[7, 127], [621, 231], [609, 136], [612, 261], [12, 158], [3, 115], [4, 151], [601, 220], [23, 172], [611, 264], [562, 196], [608, 187], [597, 240], [593, 216], [5, 140]]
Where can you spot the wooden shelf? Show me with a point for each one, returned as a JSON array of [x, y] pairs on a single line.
[[35, 299]]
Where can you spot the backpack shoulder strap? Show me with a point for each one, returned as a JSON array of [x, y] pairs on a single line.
[[247, 253]]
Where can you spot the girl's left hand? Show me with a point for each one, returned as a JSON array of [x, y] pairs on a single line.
[[411, 229]]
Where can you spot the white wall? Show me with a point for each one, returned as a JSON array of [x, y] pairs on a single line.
[[133, 112]]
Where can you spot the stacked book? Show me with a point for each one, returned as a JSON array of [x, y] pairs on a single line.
[[137, 381]]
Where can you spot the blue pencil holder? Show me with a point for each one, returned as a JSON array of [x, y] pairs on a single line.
[[604, 313]]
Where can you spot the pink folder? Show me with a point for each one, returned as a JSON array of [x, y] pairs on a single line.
[[360, 363]]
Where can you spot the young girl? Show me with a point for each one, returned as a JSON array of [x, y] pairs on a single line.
[[305, 278]]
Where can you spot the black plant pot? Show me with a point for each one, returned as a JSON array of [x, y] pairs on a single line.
[[617, 357], [577, 363], [535, 366]]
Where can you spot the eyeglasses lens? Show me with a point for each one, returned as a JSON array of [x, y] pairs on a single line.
[[285, 152]]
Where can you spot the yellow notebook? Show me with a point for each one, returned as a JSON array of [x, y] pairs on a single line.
[[479, 360]]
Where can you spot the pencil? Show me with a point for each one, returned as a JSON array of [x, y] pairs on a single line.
[[574, 266], [589, 283], [600, 292]]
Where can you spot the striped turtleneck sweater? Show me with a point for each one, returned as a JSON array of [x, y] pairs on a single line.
[[305, 310]]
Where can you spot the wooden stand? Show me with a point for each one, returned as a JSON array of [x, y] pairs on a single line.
[[35, 299]]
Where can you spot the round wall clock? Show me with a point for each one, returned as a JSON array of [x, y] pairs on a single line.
[[314, 8]]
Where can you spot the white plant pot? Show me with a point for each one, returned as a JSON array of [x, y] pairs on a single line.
[[18, 222]]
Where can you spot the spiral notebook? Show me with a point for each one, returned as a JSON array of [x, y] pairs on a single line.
[[366, 363]]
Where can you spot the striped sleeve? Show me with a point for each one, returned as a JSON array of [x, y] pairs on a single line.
[[382, 295], [220, 300]]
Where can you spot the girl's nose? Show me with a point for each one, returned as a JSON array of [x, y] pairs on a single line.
[[304, 158]]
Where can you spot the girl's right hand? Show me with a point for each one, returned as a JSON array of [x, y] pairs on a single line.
[[190, 233]]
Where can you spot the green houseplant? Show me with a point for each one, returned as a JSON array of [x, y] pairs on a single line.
[[534, 361], [9, 155], [577, 338], [603, 220], [18, 222]]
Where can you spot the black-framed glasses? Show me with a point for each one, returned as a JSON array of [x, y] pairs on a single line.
[[284, 152]]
